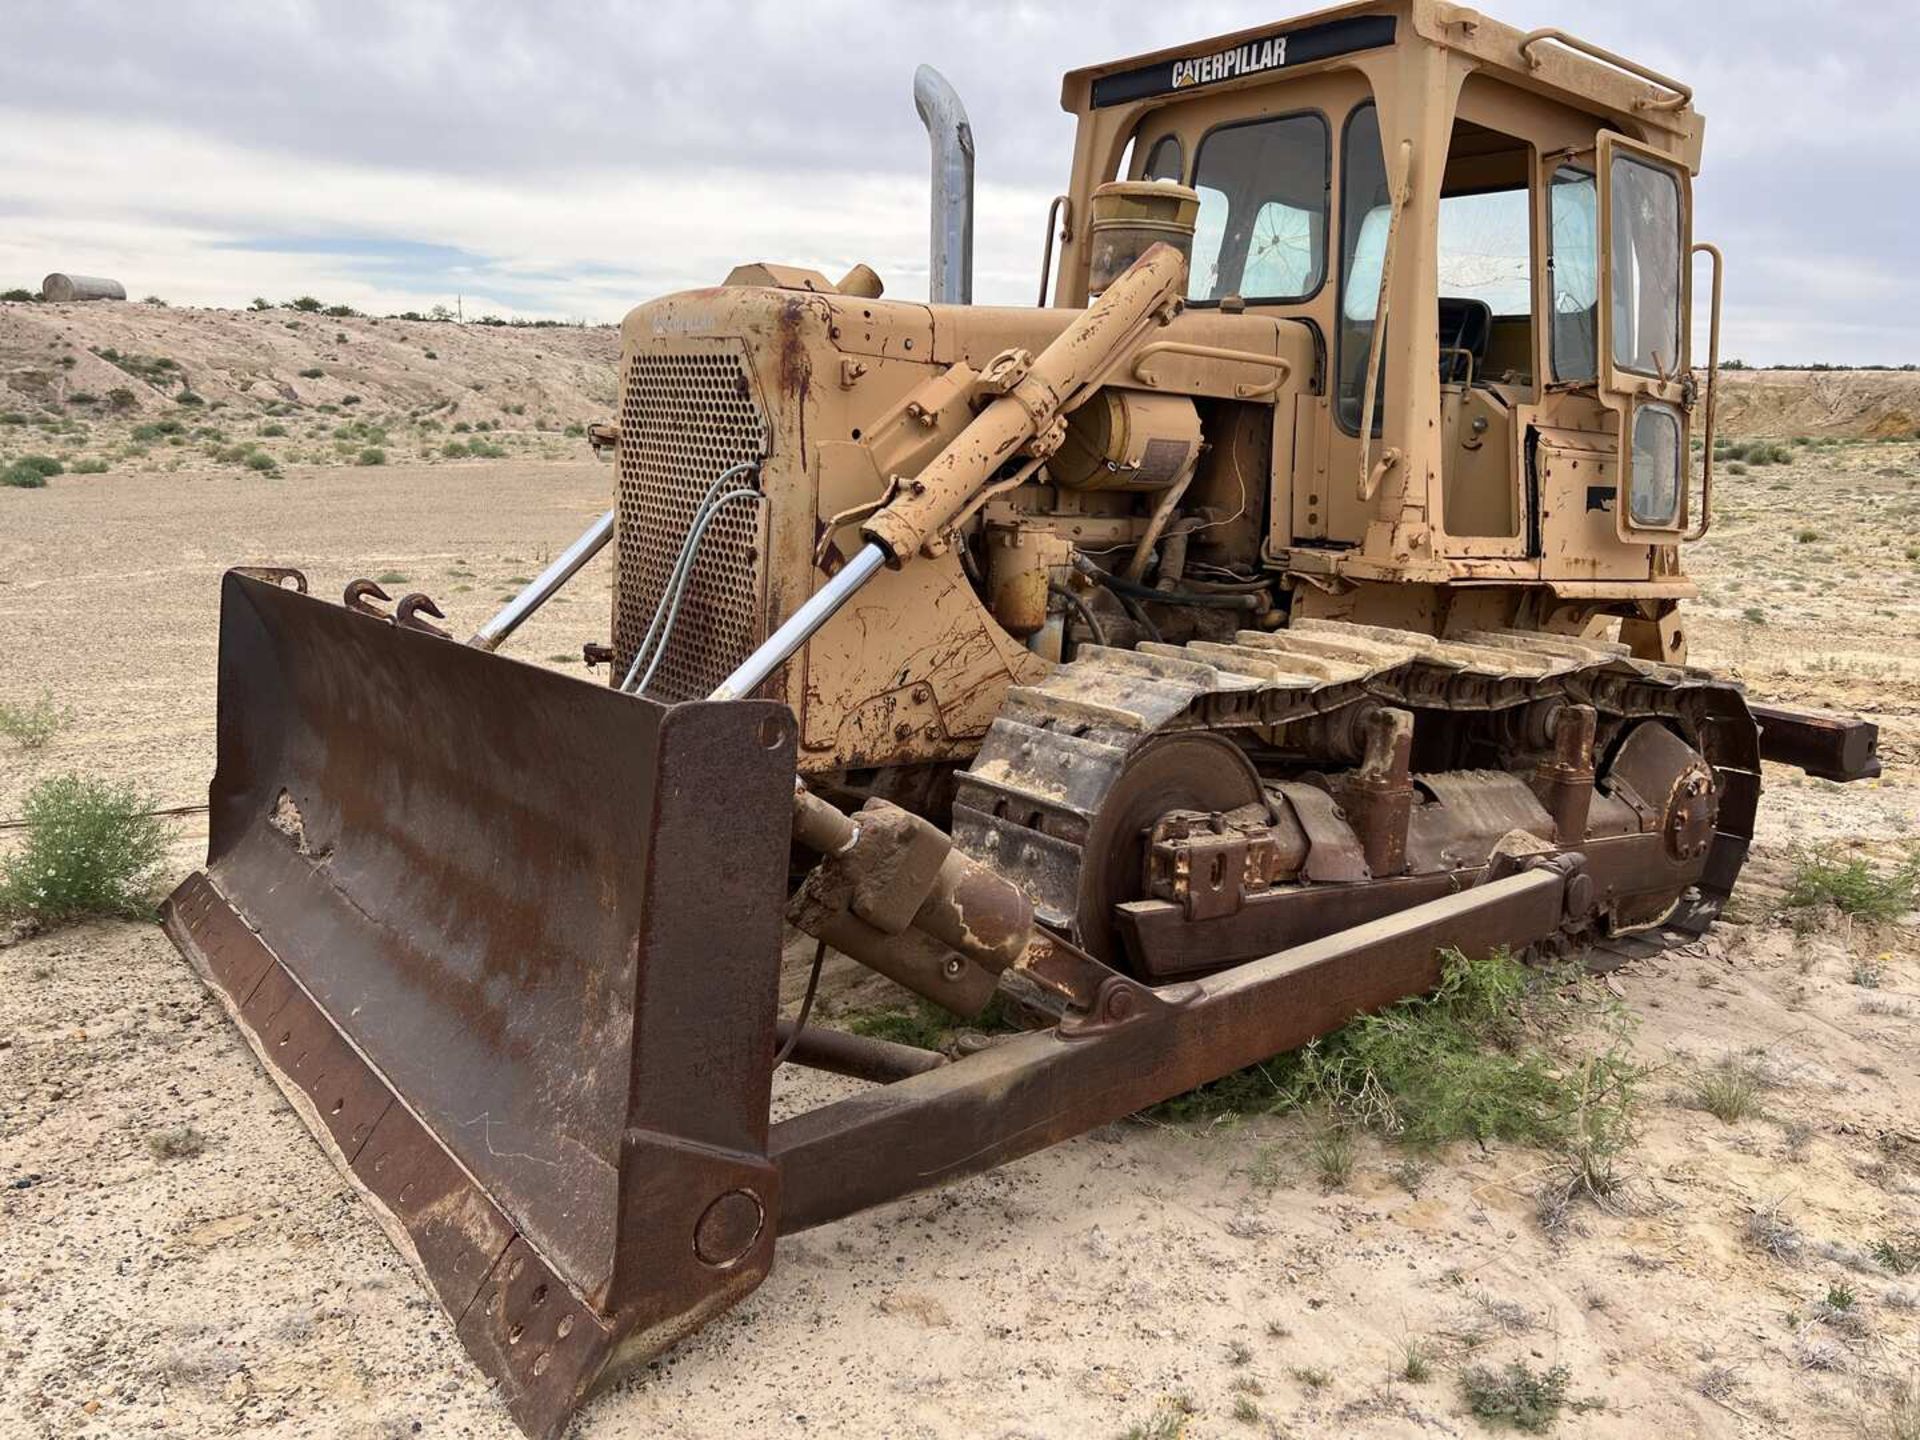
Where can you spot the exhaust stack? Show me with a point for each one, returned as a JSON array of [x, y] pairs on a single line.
[[950, 278]]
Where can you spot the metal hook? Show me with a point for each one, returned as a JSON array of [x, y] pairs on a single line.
[[406, 614], [358, 593]]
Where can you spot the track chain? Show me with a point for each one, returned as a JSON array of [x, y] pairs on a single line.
[[1026, 804]]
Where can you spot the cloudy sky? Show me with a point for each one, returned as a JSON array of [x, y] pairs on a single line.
[[570, 159]]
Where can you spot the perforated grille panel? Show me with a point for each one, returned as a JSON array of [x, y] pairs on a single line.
[[684, 419]]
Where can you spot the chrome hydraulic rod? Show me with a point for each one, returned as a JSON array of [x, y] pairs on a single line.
[[778, 648], [542, 587]]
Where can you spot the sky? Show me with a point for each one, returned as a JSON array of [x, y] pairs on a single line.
[[570, 160]]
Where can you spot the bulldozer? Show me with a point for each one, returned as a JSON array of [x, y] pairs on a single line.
[[1186, 661]]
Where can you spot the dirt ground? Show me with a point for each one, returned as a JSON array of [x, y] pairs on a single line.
[[1139, 1275]]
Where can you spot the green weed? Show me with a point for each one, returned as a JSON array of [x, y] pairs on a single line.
[[1517, 1397], [1853, 887], [91, 849]]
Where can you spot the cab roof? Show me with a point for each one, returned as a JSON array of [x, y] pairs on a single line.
[[1547, 61]]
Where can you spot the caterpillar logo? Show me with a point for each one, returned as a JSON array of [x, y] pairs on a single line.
[[1248, 59], [1303, 45]]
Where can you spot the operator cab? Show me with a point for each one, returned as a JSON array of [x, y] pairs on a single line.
[[1492, 227]]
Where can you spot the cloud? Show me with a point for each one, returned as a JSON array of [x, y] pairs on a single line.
[[571, 159]]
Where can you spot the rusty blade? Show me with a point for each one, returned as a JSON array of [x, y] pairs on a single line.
[[510, 942]]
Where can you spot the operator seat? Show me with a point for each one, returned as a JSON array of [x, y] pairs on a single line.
[[1464, 325]]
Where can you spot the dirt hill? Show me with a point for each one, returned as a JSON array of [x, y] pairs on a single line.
[[1843, 404], [79, 380], [143, 387]]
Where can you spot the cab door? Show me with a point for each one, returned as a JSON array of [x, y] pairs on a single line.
[[1645, 313]]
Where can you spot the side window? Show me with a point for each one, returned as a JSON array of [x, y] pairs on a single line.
[[1575, 267], [1261, 232], [1164, 161], [1644, 201], [1364, 214]]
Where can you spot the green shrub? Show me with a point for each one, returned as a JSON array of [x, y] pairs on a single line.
[[45, 464], [1484, 1057], [260, 302], [1853, 887], [312, 372], [120, 398], [31, 726], [12, 417], [305, 303], [93, 465], [274, 431], [455, 450], [349, 399], [188, 397], [156, 429], [16, 294], [22, 477], [339, 312], [485, 451], [91, 849], [260, 460], [372, 455]]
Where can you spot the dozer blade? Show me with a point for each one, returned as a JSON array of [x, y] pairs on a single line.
[[509, 943]]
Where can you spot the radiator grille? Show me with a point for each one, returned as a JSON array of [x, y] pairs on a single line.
[[684, 419]]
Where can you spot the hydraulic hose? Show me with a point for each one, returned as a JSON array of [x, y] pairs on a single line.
[[1124, 587]]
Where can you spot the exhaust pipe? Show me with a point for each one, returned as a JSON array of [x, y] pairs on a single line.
[[950, 278]]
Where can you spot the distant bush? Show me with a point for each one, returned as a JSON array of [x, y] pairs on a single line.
[[312, 372], [120, 398], [431, 354], [372, 455], [16, 295], [276, 429], [90, 466], [12, 417], [260, 302], [154, 300], [484, 450], [461, 427], [43, 464], [157, 429], [21, 477], [261, 461], [83, 397], [188, 397], [454, 450], [91, 849], [31, 726], [1754, 452], [306, 304], [340, 312], [349, 399]]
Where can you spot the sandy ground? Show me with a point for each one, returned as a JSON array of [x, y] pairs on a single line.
[[1140, 1272]]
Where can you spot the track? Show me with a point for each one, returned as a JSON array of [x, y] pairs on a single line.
[[1032, 801]]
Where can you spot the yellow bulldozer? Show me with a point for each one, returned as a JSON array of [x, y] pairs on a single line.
[[1187, 659]]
